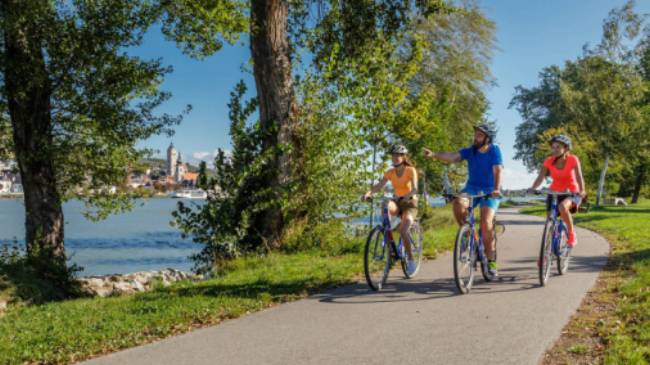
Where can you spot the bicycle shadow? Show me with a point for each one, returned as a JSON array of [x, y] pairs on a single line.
[[401, 290], [508, 222], [580, 264], [521, 276], [394, 291]]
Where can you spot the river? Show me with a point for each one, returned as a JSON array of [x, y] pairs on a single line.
[[141, 239]]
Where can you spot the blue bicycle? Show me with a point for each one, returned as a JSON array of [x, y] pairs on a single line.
[[470, 250], [554, 243], [381, 252]]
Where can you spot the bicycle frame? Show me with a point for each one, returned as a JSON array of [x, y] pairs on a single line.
[[388, 233], [558, 228], [473, 245]]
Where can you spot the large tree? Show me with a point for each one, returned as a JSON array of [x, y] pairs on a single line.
[[600, 98], [347, 37], [351, 94], [77, 103], [541, 108]]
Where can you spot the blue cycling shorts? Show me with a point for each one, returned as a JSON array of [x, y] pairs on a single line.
[[492, 203]]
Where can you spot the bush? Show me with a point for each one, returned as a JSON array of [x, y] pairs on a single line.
[[37, 277], [330, 237]]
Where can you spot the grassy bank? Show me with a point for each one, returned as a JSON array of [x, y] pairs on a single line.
[[67, 331], [613, 325]]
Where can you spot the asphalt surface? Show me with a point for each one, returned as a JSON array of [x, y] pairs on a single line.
[[418, 321]]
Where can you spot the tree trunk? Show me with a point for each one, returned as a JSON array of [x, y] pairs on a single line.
[[638, 183], [269, 42], [601, 181], [28, 91]]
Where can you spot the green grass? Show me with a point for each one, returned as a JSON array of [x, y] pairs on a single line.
[[578, 349], [72, 330], [626, 228]]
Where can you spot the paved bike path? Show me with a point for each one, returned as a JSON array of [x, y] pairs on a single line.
[[422, 320]]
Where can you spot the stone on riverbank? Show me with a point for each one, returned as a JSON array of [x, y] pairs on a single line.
[[104, 286]]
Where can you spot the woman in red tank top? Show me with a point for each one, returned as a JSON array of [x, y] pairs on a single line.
[[564, 169]]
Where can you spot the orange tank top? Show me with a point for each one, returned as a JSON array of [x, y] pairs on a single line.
[[401, 184]]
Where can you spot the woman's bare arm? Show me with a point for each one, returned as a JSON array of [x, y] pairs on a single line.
[[376, 188], [542, 173], [581, 180]]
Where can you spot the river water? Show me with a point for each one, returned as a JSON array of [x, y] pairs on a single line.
[[141, 239]]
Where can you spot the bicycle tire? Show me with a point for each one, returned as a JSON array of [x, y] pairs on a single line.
[[415, 231], [486, 275], [562, 259], [464, 259], [375, 258], [545, 253]]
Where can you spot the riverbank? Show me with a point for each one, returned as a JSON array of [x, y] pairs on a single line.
[[613, 323], [11, 196], [72, 330]]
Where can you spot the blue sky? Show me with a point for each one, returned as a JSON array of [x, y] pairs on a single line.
[[531, 35]]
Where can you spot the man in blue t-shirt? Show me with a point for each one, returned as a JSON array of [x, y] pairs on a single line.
[[484, 167]]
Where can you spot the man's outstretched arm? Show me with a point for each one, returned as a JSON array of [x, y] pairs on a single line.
[[443, 156]]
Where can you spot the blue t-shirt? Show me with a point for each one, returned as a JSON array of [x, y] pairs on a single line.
[[479, 167]]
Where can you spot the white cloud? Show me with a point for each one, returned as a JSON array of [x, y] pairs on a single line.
[[201, 155], [517, 179]]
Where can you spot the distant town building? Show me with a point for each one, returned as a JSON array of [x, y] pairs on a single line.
[[17, 188], [5, 186], [138, 180], [172, 160], [10, 181], [180, 170], [7, 166], [190, 179]]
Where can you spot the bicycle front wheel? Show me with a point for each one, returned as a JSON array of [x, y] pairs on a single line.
[[545, 252], [464, 260], [376, 259], [415, 233]]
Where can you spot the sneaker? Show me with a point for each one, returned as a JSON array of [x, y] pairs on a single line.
[[492, 268], [411, 266]]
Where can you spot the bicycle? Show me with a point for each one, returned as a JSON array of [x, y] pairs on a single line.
[[554, 243], [468, 250], [381, 252]]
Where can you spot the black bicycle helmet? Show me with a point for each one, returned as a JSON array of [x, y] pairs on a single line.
[[561, 138], [487, 130], [399, 149]]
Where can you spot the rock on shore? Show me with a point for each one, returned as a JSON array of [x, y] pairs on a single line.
[[107, 285]]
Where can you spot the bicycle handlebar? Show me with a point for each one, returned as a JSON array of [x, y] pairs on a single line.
[[385, 198], [555, 193]]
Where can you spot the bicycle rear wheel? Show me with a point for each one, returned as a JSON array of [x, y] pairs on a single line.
[[376, 259], [484, 269], [563, 258], [464, 260], [415, 231], [545, 252]]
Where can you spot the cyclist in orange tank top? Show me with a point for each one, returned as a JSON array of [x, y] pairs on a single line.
[[404, 179], [564, 168]]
